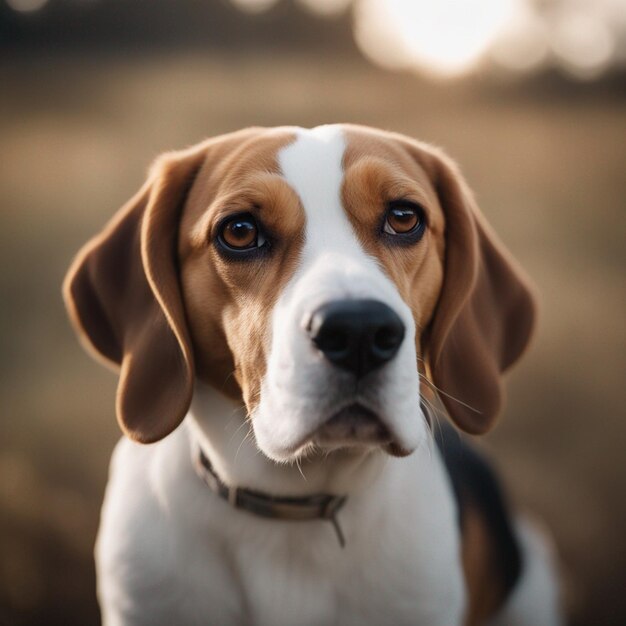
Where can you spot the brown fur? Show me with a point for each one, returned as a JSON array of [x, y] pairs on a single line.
[[485, 589], [123, 297], [151, 294], [229, 303]]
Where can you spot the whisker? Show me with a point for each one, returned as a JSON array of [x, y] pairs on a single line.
[[248, 434], [243, 423], [228, 377], [300, 469], [433, 422], [434, 387]]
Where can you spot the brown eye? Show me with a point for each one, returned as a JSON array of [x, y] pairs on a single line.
[[240, 233], [403, 219]]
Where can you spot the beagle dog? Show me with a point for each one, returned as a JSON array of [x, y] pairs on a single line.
[[289, 310]]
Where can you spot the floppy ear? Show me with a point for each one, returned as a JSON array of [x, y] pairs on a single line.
[[123, 297], [486, 310]]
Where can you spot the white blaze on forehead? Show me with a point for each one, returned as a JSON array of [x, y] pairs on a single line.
[[333, 259], [313, 167]]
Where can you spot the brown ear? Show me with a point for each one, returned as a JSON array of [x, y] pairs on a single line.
[[485, 314], [123, 296]]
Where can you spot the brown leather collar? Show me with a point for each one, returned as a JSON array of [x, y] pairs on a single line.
[[317, 506]]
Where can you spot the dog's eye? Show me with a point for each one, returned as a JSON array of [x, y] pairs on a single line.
[[240, 232], [404, 218]]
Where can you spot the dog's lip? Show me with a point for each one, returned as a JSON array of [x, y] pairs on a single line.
[[395, 449], [351, 425], [386, 440]]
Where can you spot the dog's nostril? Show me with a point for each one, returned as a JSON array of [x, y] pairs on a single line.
[[388, 338], [333, 341], [356, 335]]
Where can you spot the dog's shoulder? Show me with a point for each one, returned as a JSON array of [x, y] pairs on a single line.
[[152, 550], [132, 517], [492, 557]]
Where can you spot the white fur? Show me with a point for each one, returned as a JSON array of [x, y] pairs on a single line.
[[170, 551]]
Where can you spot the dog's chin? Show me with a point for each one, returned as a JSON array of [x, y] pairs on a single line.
[[353, 425], [356, 428], [352, 430]]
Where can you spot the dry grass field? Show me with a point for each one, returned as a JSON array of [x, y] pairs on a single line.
[[547, 165]]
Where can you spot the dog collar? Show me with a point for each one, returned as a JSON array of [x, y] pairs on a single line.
[[317, 506]]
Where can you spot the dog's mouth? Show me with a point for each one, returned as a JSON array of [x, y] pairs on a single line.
[[356, 426], [351, 425]]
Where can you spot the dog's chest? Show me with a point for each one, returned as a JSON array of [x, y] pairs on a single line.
[[274, 573], [317, 586], [218, 565]]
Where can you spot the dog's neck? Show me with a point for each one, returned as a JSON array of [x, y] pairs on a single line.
[[221, 429]]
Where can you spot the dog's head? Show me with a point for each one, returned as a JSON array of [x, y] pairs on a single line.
[[317, 274]]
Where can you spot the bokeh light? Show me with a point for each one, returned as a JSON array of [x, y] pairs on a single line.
[[26, 6], [523, 45], [583, 43], [446, 38], [451, 38], [254, 6], [327, 8]]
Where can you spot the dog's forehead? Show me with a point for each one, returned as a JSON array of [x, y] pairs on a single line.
[[334, 173], [314, 162], [314, 157], [342, 172], [319, 163], [320, 154], [312, 165]]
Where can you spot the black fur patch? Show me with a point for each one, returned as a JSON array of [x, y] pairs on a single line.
[[473, 480]]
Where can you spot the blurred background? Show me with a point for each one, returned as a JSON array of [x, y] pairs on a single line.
[[529, 96]]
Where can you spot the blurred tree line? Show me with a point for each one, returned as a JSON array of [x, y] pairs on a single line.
[[133, 25]]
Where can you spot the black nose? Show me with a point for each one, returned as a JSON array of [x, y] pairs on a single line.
[[357, 335]]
